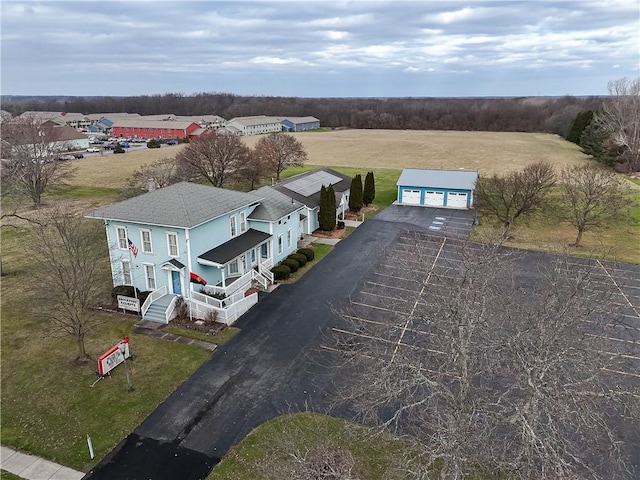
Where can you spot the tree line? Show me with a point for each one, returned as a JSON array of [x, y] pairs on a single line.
[[513, 114]]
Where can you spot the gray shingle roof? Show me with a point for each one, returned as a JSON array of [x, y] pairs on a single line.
[[141, 122], [301, 119], [236, 246], [456, 179], [313, 200], [274, 205], [182, 205]]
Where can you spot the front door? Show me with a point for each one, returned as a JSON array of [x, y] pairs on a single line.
[[175, 282]]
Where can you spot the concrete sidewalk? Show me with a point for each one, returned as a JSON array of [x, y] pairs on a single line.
[[34, 468]]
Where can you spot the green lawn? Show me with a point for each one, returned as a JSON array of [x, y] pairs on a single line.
[[48, 405], [268, 450], [320, 251], [218, 339], [272, 442], [8, 476], [548, 232]]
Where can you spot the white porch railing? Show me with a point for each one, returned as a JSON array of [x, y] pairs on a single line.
[[265, 269], [153, 296], [264, 283], [227, 314], [235, 311], [171, 309], [241, 283]]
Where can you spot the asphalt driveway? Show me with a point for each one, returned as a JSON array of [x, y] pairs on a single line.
[[271, 368]]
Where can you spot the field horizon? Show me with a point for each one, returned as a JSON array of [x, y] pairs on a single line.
[[487, 152]]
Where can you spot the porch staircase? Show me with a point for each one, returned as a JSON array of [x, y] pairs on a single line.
[[158, 309]]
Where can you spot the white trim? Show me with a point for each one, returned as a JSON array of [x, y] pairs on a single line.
[[147, 277], [123, 262], [120, 228], [233, 226], [172, 234], [142, 249]]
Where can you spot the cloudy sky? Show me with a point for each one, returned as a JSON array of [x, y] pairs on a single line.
[[319, 48]]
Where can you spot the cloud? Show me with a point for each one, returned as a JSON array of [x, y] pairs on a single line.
[[94, 48]]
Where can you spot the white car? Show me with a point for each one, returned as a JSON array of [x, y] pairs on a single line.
[[93, 150]]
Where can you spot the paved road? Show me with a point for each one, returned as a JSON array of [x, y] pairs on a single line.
[[270, 368]]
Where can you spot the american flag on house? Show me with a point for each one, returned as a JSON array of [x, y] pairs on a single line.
[[132, 247]]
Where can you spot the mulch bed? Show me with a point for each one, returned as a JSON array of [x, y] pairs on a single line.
[[204, 326]]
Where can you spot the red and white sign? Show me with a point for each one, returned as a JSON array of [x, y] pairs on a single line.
[[113, 357]]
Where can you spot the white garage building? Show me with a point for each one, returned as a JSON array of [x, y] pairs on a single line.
[[437, 188]]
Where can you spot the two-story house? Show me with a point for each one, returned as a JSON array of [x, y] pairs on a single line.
[[188, 239]]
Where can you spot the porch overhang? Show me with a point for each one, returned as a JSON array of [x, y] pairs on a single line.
[[223, 254], [172, 264]]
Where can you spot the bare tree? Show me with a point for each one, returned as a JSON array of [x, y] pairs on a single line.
[[516, 194], [254, 170], [557, 352], [620, 118], [161, 173], [213, 158], [593, 196], [69, 252], [302, 447], [281, 151], [483, 367], [31, 167]]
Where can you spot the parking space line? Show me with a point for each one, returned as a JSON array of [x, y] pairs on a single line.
[[619, 289], [424, 285], [385, 340], [374, 322], [621, 372], [373, 306]]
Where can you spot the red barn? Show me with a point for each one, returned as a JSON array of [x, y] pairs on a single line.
[[148, 129]]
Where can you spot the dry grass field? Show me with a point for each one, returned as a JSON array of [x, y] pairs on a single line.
[[488, 152]]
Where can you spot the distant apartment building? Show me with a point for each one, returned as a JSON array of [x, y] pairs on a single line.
[[300, 124], [148, 129], [254, 125]]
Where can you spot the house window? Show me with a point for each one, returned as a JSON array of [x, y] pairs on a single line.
[[150, 274], [232, 223], [243, 221], [233, 268], [172, 242], [146, 241], [126, 272], [122, 238], [264, 250], [289, 238], [280, 243]]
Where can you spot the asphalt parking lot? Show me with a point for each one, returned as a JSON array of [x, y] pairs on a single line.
[[394, 311], [279, 363]]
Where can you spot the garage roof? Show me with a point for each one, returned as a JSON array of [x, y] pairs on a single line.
[[455, 179]]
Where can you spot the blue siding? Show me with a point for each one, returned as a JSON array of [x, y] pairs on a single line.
[[445, 191]]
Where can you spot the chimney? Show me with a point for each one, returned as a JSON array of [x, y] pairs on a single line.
[[151, 185]]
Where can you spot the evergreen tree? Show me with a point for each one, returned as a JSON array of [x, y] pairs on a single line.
[[331, 200], [325, 215], [581, 122], [369, 193], [355, 196]]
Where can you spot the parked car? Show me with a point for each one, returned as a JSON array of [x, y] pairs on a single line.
[[124, 144], [93, 150], [65, 157], [78, 155], [171, 142]]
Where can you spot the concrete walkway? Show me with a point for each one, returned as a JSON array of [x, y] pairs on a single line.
[[34, 468], [154, 329]]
